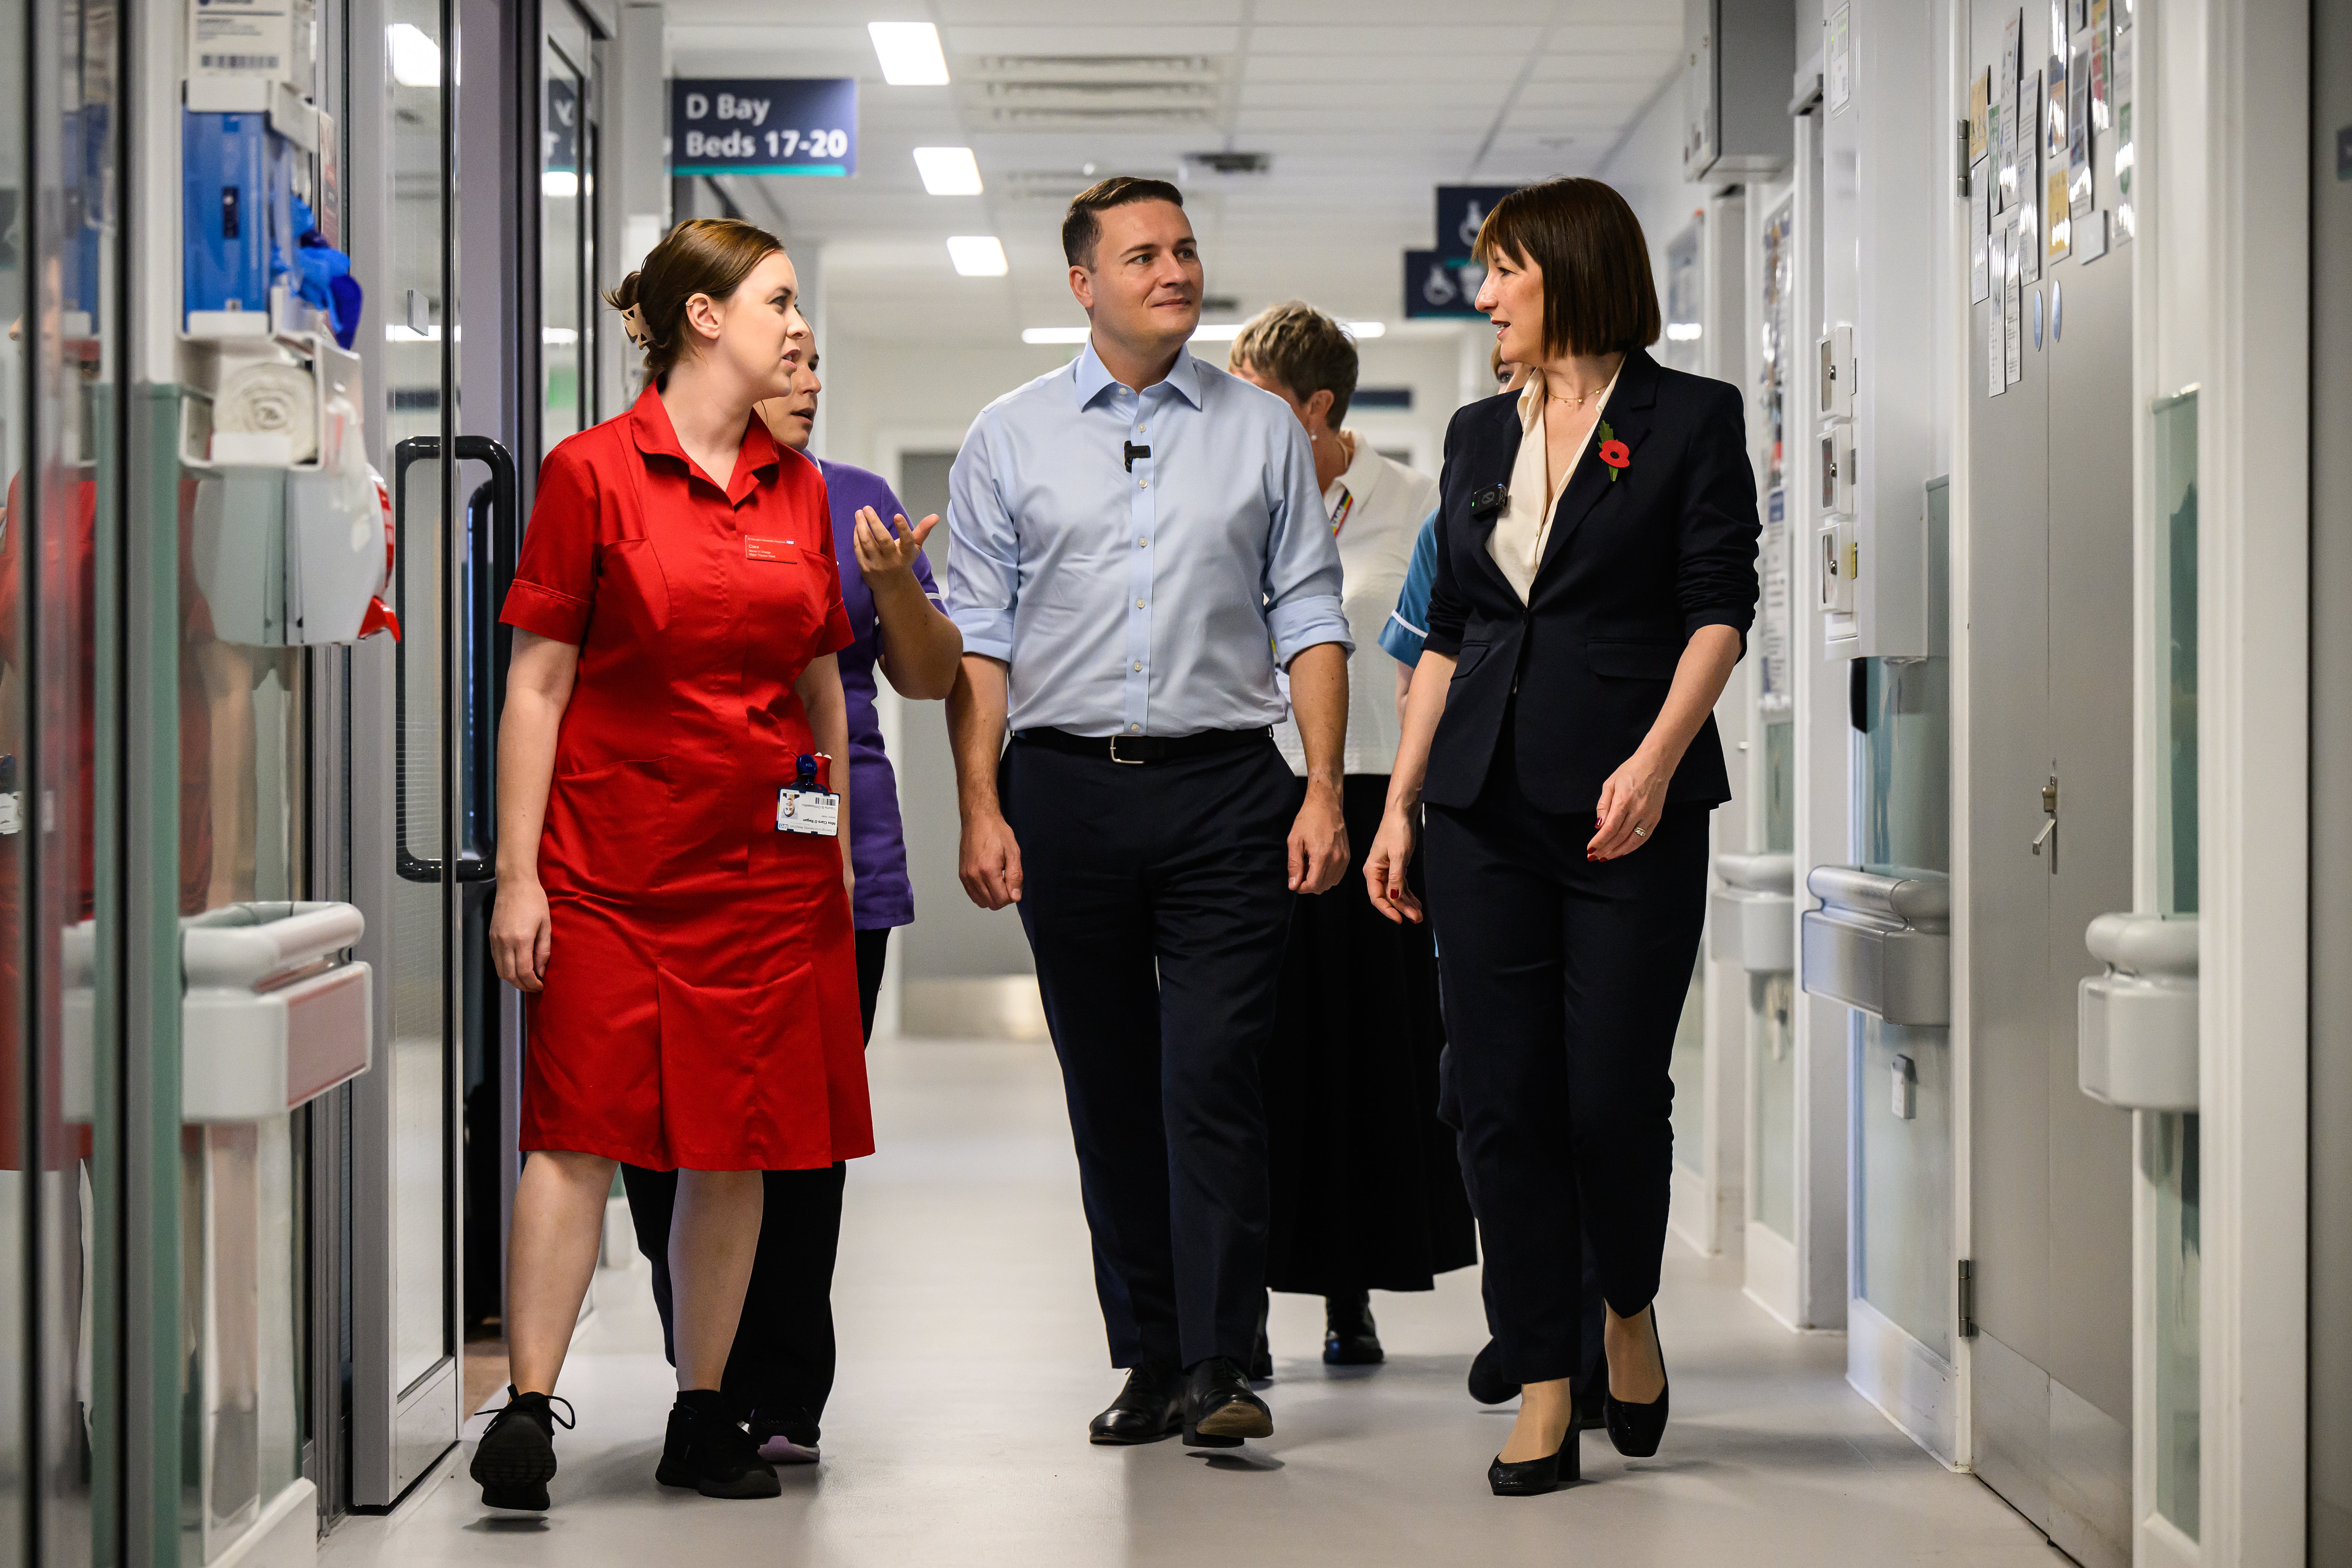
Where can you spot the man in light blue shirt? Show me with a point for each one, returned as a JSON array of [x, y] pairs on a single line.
[[1138, 545]]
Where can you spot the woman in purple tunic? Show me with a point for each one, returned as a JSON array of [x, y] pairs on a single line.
[[781, 1370]]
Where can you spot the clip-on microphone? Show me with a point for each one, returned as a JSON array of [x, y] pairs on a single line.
[[1133, 452]]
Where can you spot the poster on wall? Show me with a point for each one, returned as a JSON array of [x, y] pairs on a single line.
[[2078, 131], [1840, 86], [1979, 232], [2005, 100], [2126, 213], [2025, 249], [2103, 59], [2012, 308], [1980, 114], [1997, 320]]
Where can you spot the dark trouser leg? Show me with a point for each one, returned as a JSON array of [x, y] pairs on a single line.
[[1564, 982], [1498, 921], [1221, 905], [1083, 905], [651, 1196], [873, 948]]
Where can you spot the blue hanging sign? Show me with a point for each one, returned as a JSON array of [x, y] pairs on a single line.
[[790, 126], [1437, 285], [1461, 209]]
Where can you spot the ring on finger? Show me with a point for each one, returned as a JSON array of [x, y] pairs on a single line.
[[1641, 833]]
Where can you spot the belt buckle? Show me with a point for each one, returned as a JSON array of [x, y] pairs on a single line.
[[1124, 762]]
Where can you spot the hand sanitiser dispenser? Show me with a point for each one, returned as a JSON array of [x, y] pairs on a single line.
[[237, 176]]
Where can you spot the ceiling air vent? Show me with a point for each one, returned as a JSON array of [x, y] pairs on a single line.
[[1227, 163], [1094, 92]]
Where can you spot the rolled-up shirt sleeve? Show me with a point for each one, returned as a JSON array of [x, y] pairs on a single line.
[[1408, 624], [554, 588], [1303, 605], [983, 553], [1714, 580]]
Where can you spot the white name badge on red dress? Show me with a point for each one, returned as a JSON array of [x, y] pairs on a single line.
[[808, 811]]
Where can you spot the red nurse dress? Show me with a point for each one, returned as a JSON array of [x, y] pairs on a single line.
[[700, 1008]]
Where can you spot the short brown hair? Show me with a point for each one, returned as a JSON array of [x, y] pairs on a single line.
[[1082, 226], [1299, 346], [1599, 296], [708, 256]]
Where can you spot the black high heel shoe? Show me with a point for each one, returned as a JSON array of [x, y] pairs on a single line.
[[1533, 1478], [1637, 1428]]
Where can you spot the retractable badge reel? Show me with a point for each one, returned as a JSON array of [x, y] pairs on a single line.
[[808, 804]]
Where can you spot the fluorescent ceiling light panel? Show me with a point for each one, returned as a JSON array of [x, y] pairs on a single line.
[[947, 170], [976, 255], [1684, 331], [909, 53], [415, 57], [1054, 334], [1361, 330], [559, 185]]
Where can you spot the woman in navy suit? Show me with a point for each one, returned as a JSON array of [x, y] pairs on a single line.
[[1596, 578]]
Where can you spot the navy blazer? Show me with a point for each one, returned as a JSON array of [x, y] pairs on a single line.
[[1632, 567]]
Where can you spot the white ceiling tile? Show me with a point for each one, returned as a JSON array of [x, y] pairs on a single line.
[[1072, 13], [1402, 72], [1091, 41], [1471, 38]]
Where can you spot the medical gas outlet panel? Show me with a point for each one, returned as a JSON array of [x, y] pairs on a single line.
[[1876, 565]]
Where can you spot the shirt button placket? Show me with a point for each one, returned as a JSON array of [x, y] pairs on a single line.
[[1142, 513]]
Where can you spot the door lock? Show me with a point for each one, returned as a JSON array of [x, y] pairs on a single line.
[[2049, 834]]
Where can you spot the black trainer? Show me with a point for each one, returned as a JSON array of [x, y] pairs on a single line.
[[785, 1434], [516, 1458], [707, 1448]]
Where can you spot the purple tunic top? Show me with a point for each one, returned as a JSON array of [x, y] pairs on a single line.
[[878, 844]]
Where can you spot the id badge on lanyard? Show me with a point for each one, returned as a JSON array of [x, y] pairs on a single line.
[[807, 804]]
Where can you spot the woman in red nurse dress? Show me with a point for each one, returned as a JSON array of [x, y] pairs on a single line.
[[690, 969]]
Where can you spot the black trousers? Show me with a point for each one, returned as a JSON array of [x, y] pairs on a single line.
[[1157, 901], [1564, 980], [784, 1356]]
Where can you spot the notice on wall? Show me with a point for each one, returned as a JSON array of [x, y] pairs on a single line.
[[2078, 131], [1997, 317], [1839, 88], [1981, 232], [1980, 115], [2059, 231], [2102, 66], [2025, 250], [2005, 92], [2126, 213], [2022, 243], [2091, 234]]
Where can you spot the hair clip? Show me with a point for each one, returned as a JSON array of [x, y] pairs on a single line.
[[633, 321]]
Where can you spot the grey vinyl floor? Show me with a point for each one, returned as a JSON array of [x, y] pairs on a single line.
[[971, 1357]]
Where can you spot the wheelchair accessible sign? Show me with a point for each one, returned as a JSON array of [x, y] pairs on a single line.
[[789, 126]]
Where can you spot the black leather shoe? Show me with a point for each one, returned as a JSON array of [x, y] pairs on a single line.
[[1349, 1338], [1149, 1407], [1219, 1408], [1487, 1384], [1637, 1428], [1261, 1366], [707, 1449], [516, 1458], [1533, 1478]]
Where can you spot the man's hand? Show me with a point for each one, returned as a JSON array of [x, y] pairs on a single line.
[[1319, 841], [990, 863]]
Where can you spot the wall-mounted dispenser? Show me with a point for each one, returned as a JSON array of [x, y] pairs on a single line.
[[1752, 918]]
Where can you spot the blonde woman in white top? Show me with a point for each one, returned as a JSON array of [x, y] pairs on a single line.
[[1366, 1190]]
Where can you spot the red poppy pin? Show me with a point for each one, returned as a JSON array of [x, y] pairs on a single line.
[[1613, 452]]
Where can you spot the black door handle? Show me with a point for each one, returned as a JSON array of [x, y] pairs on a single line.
[[491, 533]]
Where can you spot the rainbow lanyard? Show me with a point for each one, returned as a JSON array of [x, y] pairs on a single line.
[[1339, 514]]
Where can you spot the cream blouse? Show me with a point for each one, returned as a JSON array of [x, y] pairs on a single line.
[[1517, 543]]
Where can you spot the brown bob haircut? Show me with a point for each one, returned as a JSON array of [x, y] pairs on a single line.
[[1599, 296], [702, 256], [1302, 348], [1082, 226]]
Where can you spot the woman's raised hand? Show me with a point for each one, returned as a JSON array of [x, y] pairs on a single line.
[[883, 553], [1384, 867]]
